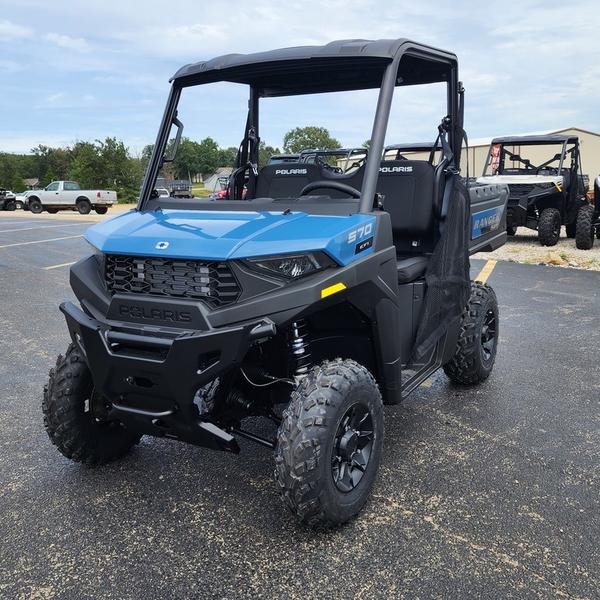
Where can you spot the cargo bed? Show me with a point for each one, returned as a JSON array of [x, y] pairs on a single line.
[[487, 219]]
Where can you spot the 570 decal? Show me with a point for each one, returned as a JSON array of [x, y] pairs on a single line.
[[361, 236], [361, 232]]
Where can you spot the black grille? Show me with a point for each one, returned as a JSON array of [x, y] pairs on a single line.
[[521, 189], [210, 281]]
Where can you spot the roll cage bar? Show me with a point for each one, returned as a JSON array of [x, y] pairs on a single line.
[[338, 66]]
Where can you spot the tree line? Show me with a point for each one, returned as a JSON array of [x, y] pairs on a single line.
[[110, 164]]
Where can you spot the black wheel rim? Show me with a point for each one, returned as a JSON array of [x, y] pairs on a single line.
[[352, 448], [488, 334]]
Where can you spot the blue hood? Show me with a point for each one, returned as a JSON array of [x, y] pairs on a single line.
[[215, 235]]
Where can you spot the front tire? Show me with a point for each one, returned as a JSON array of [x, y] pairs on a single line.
[[35, 206], [329, 444], [511, 230], [74, 415], [549, 227], [584, 238], [477, 344], [52, 211], [571, 229]]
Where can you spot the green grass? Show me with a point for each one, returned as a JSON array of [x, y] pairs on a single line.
[[200, 191]]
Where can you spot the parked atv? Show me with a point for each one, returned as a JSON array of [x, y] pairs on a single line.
[[325, 294], [421, 150], [339, 160], [547, 188]]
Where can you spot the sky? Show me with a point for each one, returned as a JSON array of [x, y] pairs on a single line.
[[86, 70]]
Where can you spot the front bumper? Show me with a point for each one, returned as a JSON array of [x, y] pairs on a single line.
[[151, 380]]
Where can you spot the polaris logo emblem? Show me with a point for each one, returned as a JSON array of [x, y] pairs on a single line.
[[408, 169], [162, 245], [157, 314], [291, 171]]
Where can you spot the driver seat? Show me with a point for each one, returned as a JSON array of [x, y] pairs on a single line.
[[408, 188]]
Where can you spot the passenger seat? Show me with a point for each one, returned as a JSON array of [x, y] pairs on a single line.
[[407, 187]]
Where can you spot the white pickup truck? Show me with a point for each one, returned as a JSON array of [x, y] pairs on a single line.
[[67, 195]]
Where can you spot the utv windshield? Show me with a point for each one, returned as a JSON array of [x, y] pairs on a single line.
[[519, 158]]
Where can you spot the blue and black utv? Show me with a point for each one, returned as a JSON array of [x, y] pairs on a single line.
[[330, 294]]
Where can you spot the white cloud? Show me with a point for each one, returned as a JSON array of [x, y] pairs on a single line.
[[522, 70], [11, 31], [25, 141], [9, 66], [54, 98], [62, 100], [69, 43]]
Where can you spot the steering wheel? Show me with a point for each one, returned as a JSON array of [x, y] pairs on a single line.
[[334, 185]]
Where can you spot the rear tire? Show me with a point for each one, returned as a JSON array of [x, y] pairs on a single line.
[[83, 206], [549, 227], [101, 210], [511, 230], [329, 444], [477, 344], [584, 238], [35, 206], [571, 230], [73, 415], [10, 205]]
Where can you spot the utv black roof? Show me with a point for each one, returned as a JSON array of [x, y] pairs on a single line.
[[338, 66], [536, 139]]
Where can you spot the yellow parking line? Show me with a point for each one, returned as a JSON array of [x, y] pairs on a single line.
[[58, 266], [68, 237], [486, 271]]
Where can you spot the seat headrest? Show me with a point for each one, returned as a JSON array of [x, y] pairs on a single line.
[[407, 187], [285, 180]]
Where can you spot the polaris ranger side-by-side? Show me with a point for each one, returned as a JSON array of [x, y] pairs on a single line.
[[328, 294], [546, 186]]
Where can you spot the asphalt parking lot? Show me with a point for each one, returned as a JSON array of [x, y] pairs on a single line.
[[490, 492]]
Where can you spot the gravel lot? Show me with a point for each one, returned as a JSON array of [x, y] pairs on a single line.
[[525, 248]]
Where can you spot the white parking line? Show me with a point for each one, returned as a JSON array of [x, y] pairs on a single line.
[[20, 221], [68, 237], [59, 266], [40, 227]]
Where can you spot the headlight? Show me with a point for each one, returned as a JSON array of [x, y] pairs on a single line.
[[292, 266], [99, 256]]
